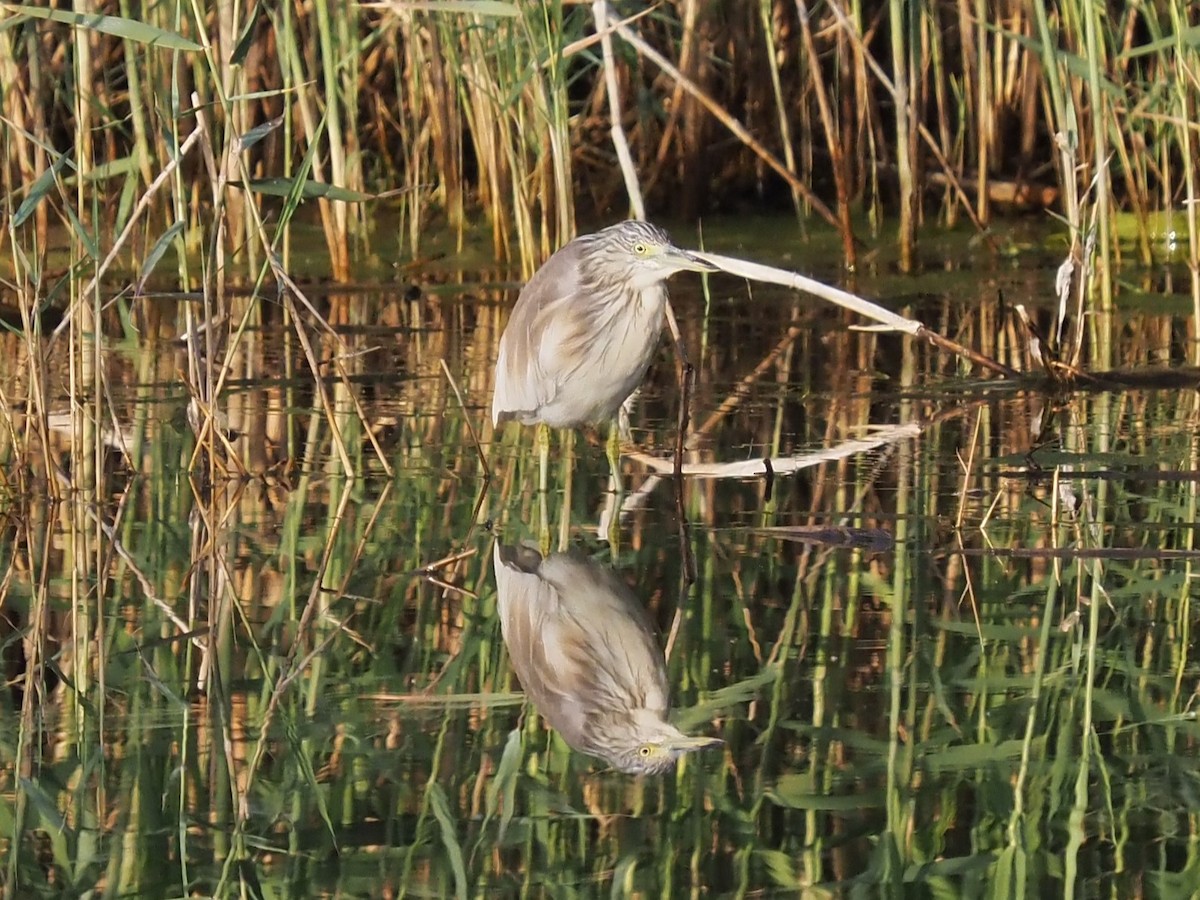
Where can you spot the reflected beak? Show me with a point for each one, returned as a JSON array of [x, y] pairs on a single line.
[[688, 744], [688, 262]]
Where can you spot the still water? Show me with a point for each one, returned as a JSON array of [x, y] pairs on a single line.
[[944, 636]]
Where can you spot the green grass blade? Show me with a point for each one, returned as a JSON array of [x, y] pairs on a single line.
[[472, 7], [39, 189], [156, 252], [128, 29], [441, 811]]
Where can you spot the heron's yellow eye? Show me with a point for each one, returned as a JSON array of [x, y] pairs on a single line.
[[644, 750], [640, 249]]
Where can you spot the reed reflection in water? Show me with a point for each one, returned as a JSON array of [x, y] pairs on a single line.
[[586, 654]]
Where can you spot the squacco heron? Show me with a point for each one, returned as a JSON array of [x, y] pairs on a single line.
[[586, 654], [584, 330]]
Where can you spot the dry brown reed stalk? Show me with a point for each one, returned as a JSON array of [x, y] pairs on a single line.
[[688, 54], [732, 124], [502, 75], [23, 113], [353, 397], [841, 175], [429, 572], [313, 124], [1188, 109], [629, 173], [1001, 89], [889, 85], [743, 387], [900, 19], [968, 475], [1060, 352], [771, 22], [292, 293], [118, 547], [316, 603], [616, 131], [28, 750], [216, 499], [977, 71], [583, 43], [487, 472], [36, 366]]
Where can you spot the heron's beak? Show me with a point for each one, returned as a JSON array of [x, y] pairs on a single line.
[[685, 744], [688, 262]]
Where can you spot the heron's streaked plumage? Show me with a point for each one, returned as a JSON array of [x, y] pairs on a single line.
[[585, 652], [586, 326]]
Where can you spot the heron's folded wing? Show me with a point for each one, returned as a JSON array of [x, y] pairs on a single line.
[[541, 652], [559, 331], [527, 373], [516, 395]]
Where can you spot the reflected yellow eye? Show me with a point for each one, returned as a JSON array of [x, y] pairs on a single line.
[[644, 750], [640, 249]]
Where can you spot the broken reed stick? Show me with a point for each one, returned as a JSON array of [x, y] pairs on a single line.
[[617, 132], [888, 320], [621, 145], [926, 135]]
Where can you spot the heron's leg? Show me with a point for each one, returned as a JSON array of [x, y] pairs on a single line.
[[614, 522], [564, 509], [614, 459], [618, 485], [543, 525], [543, 445], [614, 450]]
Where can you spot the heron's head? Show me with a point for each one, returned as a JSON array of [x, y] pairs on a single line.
[[639, 255], [645, 745]]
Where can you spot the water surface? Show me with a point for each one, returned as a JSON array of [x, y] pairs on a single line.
[[955, 662]]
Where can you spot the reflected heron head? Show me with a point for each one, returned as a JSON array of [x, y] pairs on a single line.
[[643, 745], [585, 652]]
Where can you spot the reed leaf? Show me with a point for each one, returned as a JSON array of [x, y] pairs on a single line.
[[129, 29]]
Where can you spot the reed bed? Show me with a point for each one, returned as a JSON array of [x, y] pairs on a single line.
[[899, 111], [246, 614]]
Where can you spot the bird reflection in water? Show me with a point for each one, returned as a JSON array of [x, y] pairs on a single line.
[[587, 658]]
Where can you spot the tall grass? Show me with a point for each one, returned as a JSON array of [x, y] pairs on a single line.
[[498, 108]]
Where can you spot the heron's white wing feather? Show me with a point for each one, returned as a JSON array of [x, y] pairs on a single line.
[[538, 649], [525, 364]]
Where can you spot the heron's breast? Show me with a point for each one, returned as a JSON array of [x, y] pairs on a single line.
[[612, 361]]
